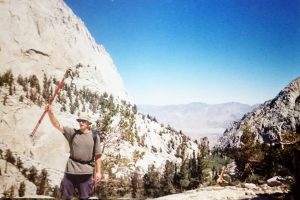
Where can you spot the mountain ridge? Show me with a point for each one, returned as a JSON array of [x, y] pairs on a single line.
[[270, 120]]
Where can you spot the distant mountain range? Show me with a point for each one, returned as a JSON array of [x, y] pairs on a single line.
[[199, 119]]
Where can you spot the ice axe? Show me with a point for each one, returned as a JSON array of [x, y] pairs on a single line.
[[66, 75]]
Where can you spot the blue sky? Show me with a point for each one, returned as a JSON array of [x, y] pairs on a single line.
[[211, 51]]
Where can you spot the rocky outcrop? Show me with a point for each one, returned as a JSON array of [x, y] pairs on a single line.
[[40, 37], [270, 120], [232, 192]]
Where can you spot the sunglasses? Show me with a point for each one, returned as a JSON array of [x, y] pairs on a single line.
[[83, 121]]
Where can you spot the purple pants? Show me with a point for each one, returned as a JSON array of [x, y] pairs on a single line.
[[84, 184]]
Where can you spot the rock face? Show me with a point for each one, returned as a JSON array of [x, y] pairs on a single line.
[[270, 120], [46, 37], [14, 177]]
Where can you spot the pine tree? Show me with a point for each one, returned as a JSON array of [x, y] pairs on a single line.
[[34, 81], [24, 172], [184, 175], [204, 147], [46, 84], [10, 79], [250, 150], [200, 167], [33, 95], [21, 99], [56, 193], [6, 194], [10, 90], [134, 109], [22, 189], [19, 163], [43, 183], [9, 157], [20, 80], [5, 100], [32, 176], [63, 108], [6, 163], [12, 192], [72, 108], [1, 81], [167, 186], [76, 103], [151, 183], [193, 168], [136, 185], [83, 108]]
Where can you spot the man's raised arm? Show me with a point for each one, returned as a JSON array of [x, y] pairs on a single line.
[[53, 119]]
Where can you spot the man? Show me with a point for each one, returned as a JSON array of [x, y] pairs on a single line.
[[79, 169]]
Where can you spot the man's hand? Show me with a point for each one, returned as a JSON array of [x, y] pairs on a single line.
[[98, 177], [48, 108]]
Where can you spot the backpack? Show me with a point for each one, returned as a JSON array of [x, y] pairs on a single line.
[[89, 162]]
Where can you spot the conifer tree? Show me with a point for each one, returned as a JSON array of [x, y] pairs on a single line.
[[184, 180], [10, 90], [33, 81], [204, 147], [193, 168], [250, 150], [63, 108], [6, 194], [9, 157], [134, 109], [43, 183], [46, 84], [21, 99], [12, 192], [32, 176], [76, 103], [56, 193], [151, 183], [72, 108], [22, 189], [136, 185], [167, 185], [19, 163], [10, 79], [20, 80], [5, 99], [24, 172]]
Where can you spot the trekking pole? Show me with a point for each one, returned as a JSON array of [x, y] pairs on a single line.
[[68, 72]]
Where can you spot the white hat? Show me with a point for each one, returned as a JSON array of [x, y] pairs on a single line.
[[83, 117]]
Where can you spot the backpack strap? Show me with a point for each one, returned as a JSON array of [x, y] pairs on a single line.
[[95, 140], [90, 162]]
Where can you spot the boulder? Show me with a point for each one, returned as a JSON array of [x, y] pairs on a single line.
[[275, 181]]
